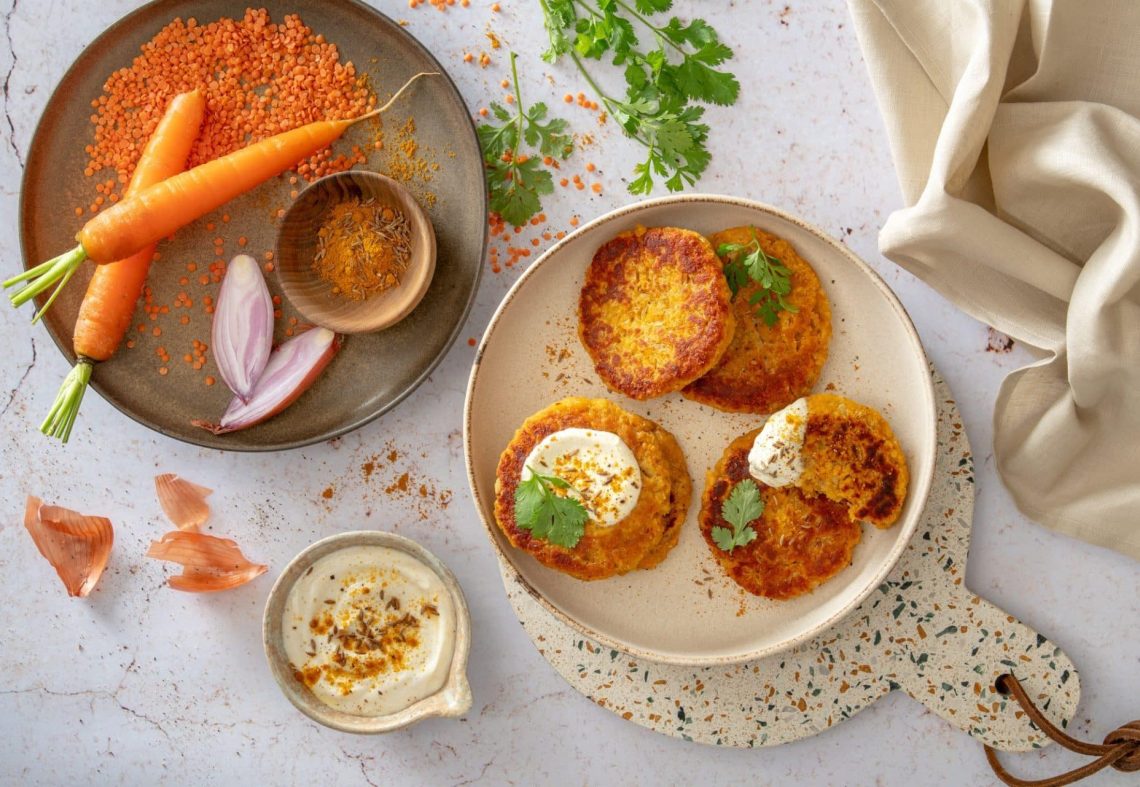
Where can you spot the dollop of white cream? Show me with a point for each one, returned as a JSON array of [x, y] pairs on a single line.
[[776, 458], [370, 630], [600, 468]]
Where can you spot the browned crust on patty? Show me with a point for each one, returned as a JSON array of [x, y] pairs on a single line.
[[767, 367], [602, 551], [802, 540], [654, 312], [679, 497], [852, 456]]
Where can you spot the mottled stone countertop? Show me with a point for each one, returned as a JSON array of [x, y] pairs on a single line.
[[141, 684]]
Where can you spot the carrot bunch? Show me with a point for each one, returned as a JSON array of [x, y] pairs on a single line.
[[105, 313], [158, 204]]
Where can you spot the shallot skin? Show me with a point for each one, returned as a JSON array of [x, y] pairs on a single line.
[[76, 545], [292, 369], [242, 331]]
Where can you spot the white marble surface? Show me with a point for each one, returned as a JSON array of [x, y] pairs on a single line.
[[140, 684]]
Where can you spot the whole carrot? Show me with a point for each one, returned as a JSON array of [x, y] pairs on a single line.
[[159, 210], [106, 311]]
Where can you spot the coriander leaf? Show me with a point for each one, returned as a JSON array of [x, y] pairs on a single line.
[[722, 537], [661, 80], [529, 499], [697, 33], [516, 189], [745, 263], [557, 16], [516, 182], [551, 517], [742, 506], [699, 81], [643, 183], [501, 112], [568, 522], [551, 137]]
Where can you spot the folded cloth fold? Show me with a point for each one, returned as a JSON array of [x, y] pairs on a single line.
[[1014, 126]]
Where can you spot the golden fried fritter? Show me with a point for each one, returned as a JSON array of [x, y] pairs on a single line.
[[654, 313], [767, 367], [802, 540], [634, 542], [852, 456], [679, 496]]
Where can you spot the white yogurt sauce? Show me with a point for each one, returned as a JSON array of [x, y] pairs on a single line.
[[776, 458], [370, 630], [601, 469]]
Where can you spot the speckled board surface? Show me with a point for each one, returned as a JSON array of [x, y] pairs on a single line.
[[922, 631]]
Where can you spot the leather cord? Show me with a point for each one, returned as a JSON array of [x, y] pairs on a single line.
[[1121, 747]]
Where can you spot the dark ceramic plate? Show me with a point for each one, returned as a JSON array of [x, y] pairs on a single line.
[[373, 372]]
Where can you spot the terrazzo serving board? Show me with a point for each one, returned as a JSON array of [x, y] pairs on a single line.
[[922, 631]]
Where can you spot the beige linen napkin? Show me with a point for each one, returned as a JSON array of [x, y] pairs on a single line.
[[1015, 129]]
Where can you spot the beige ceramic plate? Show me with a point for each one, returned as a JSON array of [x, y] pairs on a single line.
[[686, 611]]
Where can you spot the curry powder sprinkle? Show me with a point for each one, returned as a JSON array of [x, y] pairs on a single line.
[[363, 248]]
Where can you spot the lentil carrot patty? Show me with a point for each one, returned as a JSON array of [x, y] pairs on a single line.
[[260, 77], [639, 541]]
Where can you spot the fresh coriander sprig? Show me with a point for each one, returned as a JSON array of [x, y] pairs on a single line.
[[656, 109], [743, 505], [517, 182], [551, 517], [746, 263]]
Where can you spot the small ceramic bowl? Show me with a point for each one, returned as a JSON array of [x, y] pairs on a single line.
[[297, 245], [453, 700]]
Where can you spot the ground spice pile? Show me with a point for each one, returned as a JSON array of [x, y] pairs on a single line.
[[260, 78], [362, 248]]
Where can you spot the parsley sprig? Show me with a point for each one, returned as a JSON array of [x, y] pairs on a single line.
[[661, 81], [517, 182], [742, 506], [552, 517], [745, 263]]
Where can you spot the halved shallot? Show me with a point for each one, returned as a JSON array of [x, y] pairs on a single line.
[[183, 501], [292, 368], [243, 326], [208, 563], [76, 545]]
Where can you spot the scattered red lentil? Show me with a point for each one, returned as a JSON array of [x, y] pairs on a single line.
[[262, 77]]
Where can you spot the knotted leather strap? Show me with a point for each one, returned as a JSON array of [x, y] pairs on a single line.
[[1121, 747]]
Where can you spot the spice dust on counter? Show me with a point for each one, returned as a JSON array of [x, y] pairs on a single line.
[[393, 476]]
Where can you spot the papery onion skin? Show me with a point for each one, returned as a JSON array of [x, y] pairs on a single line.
[[183, 502], [76, 545], [292, 369], [242, 331], [209, 563]]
